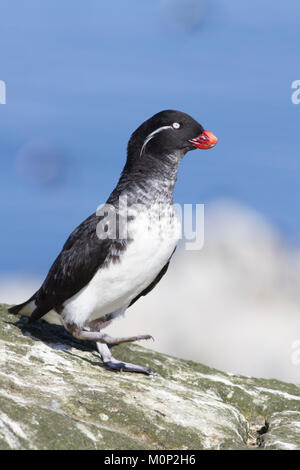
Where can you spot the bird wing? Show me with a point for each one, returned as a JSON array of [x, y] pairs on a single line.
[[154, 282], [81, 256]]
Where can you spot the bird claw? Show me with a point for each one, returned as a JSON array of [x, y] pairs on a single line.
[[120, 366], [149, 337]]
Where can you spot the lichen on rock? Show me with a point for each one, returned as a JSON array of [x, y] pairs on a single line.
[[56, 394]]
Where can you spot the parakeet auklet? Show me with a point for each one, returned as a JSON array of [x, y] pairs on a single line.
[[120, 253]]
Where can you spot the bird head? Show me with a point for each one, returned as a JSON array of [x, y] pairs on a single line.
[[169, 132]]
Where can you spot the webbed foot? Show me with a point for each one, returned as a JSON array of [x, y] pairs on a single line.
[[113, 364]]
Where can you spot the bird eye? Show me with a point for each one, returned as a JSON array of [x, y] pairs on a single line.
[[176, 125]]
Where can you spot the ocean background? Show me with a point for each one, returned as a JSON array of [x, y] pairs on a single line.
[[80, 77]]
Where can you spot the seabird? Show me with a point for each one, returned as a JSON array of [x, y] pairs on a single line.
[[122, 251]]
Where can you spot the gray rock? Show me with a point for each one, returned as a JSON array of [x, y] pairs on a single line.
[[56, 394]]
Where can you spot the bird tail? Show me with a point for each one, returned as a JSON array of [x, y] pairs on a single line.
[[31, 310], [26, 308]]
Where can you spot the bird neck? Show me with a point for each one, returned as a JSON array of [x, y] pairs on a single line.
[[149, 183]]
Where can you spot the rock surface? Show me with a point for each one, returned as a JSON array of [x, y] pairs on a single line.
[[56, 394]]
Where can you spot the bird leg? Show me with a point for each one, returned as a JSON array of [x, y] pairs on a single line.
[[100, 337], [102, 340]]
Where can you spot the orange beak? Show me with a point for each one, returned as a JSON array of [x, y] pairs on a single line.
[[206, 140]]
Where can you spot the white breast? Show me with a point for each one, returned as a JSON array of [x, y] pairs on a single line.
[[113, 287]]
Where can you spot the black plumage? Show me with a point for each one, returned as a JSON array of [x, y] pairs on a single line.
[[154, 153]]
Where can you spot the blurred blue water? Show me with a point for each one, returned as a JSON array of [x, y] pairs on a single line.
[[81, 76]]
